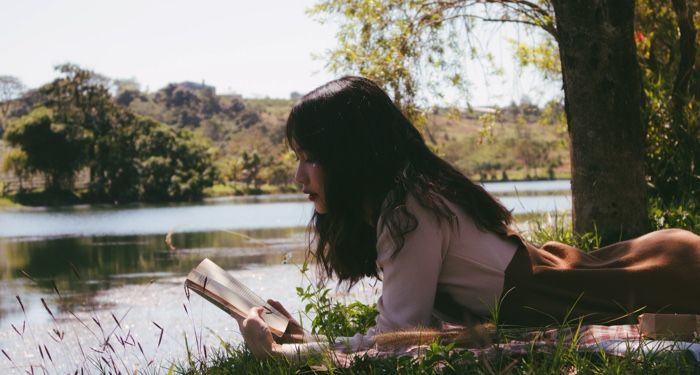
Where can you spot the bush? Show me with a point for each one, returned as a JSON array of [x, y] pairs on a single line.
[[685, 215]]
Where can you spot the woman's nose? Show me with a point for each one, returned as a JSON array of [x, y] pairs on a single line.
[[300, 176]]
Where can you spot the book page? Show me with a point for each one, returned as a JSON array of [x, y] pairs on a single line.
[[229, 294]]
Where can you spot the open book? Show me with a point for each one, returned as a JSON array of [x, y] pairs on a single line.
[[223, 290]]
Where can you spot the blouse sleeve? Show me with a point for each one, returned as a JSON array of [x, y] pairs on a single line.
[[410, 279], [410, 276]]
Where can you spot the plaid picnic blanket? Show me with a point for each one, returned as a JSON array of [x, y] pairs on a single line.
[[615, 340]]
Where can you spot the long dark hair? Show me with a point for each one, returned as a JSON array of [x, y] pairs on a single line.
[[373, 158]]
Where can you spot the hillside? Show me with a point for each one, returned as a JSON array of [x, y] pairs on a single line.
[[520, 142], [516, 142]]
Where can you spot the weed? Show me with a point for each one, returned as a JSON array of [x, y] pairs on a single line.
[[332, 318]]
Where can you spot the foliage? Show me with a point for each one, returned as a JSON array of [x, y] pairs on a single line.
[[47, 145], [406, 46], [557, 227], [543, 55], [667, 45], [684, 215], [248, 133], [191, 105], [251, 132], [331, 318], [15, 161], [251, 167], [129, 157], [81, 100], [502, 149], [170, 164], [534, 152]]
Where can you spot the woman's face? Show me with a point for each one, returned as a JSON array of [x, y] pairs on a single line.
[[310, 176]]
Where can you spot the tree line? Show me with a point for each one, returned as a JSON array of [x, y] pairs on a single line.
[[73, 123], [184, 140]]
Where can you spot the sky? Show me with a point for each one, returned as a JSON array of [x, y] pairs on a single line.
[[262, 48]]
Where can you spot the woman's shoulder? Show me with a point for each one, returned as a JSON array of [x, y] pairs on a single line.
[[414, 221], [404, 207]]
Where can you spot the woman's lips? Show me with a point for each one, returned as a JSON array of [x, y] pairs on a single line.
[[312, 196]]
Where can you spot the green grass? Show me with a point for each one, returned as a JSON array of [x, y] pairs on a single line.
[[40, 197], [6, 202], [443, 359]]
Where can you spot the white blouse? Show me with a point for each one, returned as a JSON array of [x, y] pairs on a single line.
[[454, 259], [438, 257]]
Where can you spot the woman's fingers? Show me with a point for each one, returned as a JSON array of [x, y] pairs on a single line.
[[256, 333], [294, 332], [254, 318], [278, 306]]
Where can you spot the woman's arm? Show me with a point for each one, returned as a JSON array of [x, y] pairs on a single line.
[[410, 277]]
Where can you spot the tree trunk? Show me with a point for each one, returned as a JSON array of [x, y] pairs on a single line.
[[602, 87]]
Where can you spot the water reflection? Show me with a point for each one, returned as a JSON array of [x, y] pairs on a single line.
[[82, 267]]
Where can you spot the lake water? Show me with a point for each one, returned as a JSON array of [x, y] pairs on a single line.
[[94, 266]]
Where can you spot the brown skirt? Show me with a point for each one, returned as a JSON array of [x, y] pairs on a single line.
[[658, 272]]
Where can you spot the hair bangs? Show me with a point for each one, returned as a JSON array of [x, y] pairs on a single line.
[[303, 131]]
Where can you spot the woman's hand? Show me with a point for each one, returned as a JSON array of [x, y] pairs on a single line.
[[259, 338], [256, 333], [294, 332]]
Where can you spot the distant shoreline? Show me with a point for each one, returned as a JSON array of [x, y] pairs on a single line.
[[9, 202]]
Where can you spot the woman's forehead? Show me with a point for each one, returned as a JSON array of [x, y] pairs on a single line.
[[299, 146]]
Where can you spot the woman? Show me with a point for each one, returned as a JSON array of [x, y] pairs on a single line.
[[386, 206]]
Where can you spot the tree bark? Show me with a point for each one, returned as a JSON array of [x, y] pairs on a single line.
[[602, 87]]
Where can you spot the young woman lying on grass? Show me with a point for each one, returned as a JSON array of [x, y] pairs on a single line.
[[388, 207]]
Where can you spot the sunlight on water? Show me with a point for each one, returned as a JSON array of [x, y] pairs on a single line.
[[112, 264]]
